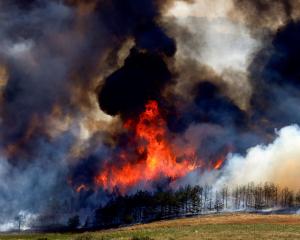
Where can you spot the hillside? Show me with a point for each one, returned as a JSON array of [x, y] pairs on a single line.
[[225, 226]]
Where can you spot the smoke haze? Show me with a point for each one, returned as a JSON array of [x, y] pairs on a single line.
[[110, 97], [267, 163]]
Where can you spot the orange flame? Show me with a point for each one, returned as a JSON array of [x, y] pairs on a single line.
[[218, 164], [151, 134], [81, 187]]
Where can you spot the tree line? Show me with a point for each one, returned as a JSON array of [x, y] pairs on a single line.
[[145, 206], [162, 203]]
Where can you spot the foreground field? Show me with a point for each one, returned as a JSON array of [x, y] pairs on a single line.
[[225, 226]]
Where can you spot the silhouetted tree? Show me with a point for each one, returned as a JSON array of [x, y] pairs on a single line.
[[146, 206], [20, 219]]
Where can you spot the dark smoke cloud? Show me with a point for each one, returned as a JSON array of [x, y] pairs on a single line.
[[43, 48], [32, 56], [275, 71], [266, 14], [144, 73], [207, 117], [209, 105], [121, 53], [128, 89], [55, 52]]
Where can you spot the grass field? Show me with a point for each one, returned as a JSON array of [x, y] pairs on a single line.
[[225, 226]]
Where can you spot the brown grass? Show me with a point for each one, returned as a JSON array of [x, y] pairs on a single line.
[[213, 227]]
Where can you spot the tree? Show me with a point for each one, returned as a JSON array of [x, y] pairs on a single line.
[[219, 205], [286, 197], [74, 222], [297, 198], [20, 219], [224, 193], [196, 199]]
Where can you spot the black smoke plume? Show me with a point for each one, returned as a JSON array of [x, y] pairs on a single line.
[[72, 73], [275, 72]]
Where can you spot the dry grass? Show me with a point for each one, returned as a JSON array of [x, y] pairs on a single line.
[[214, 227], [229, 218]]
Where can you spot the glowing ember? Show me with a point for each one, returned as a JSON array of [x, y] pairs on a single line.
[[159, 161], [80, 188]]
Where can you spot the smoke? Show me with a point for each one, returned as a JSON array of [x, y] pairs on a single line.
[[48, 103], [54, 55], [140, 79], [266, 64], [277, 162], [115, 96], [261, 14]]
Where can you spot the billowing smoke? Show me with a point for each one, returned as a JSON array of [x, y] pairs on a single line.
[[267, 163], [108, 97]]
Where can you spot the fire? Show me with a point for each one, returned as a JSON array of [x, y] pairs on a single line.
[[160, 161], [218, 164], [81, 187]]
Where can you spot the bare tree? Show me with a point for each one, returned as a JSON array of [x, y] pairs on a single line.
[[224, 193], [20, 220], [219, 204]]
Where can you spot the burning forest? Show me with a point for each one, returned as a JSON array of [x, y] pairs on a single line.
[[106, 103]]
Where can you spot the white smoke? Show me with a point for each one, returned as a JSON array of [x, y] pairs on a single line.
[[218, 42], [222, 43], [278, 162], [22, 220]]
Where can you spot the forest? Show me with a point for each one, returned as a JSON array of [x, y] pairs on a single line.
[[145, 206]]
